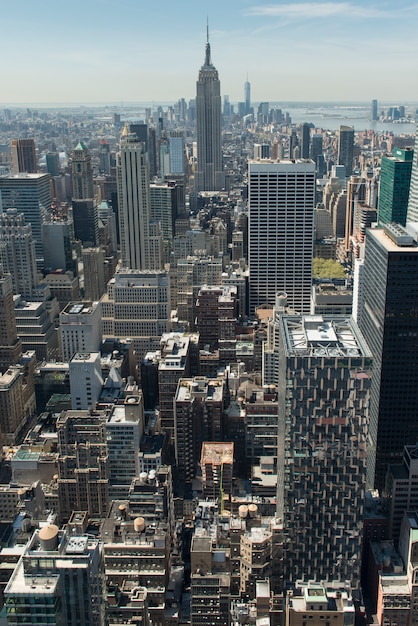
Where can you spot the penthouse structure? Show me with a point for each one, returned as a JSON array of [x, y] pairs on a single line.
[[318, 602]]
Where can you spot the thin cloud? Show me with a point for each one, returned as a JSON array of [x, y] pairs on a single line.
[[315, 10]]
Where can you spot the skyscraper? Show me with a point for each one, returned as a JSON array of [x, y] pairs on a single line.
[[395, 180], [137, 305], [209, 175], [281, 204], [57, 239], [23, 156], [324, 389], [412, 215], [247, 97], [52, 160], [389, 322], [176, 152], [17, 252], [86, 221], [82, 173], [346, 148], [30, 194], [86, 380], [141, 241], [10, 344], [374, 115], [80, 328], [305, 141]]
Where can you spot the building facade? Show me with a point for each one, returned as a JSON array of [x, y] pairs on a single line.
[[82, 173], [23, 155], [137, 305], [389, 321], [10, 344], [29, 194], [86, 380], [346, 149], [281, 211], [395, 180], [412, 215], [17, 252], [80, 328], [141, 245], [324, 390]]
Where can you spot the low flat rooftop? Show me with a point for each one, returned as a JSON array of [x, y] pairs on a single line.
[[217, 453]]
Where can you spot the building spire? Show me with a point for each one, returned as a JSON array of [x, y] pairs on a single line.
[[207, 57]]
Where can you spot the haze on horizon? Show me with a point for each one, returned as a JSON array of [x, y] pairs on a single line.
[[99, 51]]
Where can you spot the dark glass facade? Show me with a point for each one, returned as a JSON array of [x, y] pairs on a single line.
[[389, 321]]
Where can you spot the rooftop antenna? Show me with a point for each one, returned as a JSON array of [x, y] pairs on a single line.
[[207, 59]]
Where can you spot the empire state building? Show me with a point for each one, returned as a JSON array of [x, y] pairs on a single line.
[[209, 175]]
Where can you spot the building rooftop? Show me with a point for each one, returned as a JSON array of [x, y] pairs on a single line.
[[77, 308], [86, 357], [217, 453], [323, 336], [209, 388], [400, 241], [25, 176]]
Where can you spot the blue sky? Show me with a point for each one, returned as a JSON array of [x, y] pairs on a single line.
[[132, 50]]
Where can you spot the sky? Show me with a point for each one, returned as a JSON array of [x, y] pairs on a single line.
[[120, 51]]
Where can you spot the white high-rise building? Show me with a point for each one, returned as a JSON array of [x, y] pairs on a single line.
[[281, 210], [124, 429], [140, 241], [80, 328], [137, 306], [86, 381]]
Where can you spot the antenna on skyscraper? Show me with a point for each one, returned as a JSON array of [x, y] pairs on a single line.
[[207, 59]]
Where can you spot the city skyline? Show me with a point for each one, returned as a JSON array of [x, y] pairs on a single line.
[[289, 51]]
